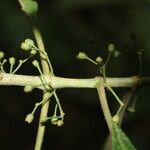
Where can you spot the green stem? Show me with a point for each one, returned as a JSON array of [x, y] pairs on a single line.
[[60, 82], [108, 58], [92, 61], [58, 103], [40, 43], [47, 70], [117, 98], [21, 62], [104, 72], [104, 66], [104, 104]]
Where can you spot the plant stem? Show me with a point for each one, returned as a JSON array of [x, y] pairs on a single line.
[[104, 66], [20, 64], [104, 104], [108, 58], [47, 70], [117, 98], [40, 43], [60, 82]]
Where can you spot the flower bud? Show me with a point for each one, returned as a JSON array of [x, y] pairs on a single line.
[[4, 61], [99, 60], [28, 88], [81, 56], [2, 54], [12, 60], [54, 120], [33, 52], [25, 46], [60, 122], [29, 118], [115, 118], [35, 63], [111, 47], [29, 42]]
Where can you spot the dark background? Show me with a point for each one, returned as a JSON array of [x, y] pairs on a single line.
[[70, 26]]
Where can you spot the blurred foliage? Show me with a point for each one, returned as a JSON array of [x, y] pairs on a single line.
[[70, 26]]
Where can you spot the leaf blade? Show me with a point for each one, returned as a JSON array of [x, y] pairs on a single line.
[[119, 139], [30, 7]]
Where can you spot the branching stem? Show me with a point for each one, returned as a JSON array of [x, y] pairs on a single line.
[[60, 82]]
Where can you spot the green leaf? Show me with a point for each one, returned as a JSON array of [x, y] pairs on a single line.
[[30, 7], [119, 139]]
